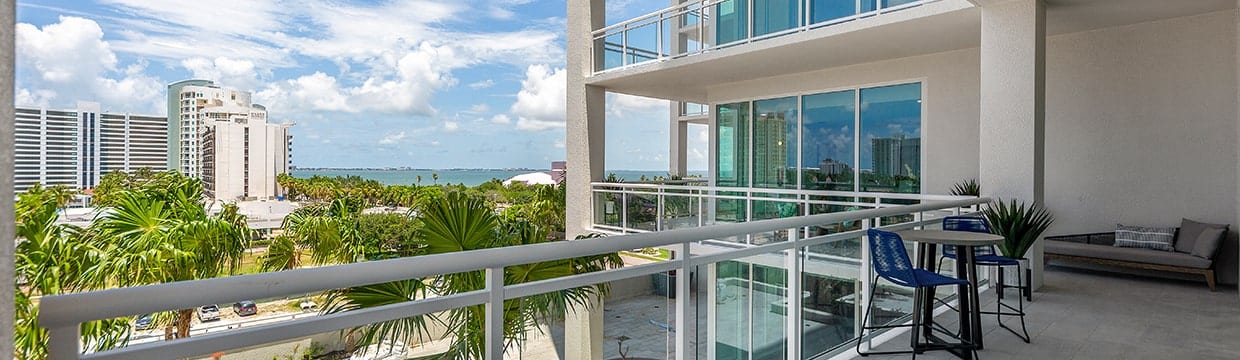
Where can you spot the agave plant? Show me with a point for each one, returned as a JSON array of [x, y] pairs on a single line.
[[1020, 225], [968, 187]]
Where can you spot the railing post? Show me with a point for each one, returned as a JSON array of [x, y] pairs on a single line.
[[793, 311], [660, 209], [864, 292], [495, 314], [64, 343], [624, 209], [684, 351]]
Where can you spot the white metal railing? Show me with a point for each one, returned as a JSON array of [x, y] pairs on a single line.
[[686, 29], [64, 314], [666, 207]]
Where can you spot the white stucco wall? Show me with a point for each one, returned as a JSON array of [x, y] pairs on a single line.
[[1141, 124], [950, 89]]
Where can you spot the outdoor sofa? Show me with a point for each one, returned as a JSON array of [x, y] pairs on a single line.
[[1192, 252]]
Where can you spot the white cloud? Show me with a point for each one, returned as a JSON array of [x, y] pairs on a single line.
[[240, 74], [481, 84], [482, 108], [451, 126], [560, 144], [620, 105], [92, 73], [540, 103], [501, 119], [392, 138]]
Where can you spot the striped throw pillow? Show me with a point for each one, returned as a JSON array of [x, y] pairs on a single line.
[[1157, 238]]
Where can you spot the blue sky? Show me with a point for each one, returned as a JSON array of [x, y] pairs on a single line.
[[425, 83]]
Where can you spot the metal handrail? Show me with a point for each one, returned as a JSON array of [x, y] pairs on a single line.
[[63, 314]]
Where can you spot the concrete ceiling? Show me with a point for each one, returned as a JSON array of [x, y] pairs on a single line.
[[936, 27]]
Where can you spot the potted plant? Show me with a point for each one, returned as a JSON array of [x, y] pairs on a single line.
[[1020, 225]]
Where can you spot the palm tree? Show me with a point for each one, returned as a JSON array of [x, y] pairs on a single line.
[[458, 222], [435, 177], [153, 237], [51, 259]]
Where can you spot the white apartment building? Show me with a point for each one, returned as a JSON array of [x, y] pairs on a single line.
[[241, 158], [76, 147], [1059, 102], [196, 103]]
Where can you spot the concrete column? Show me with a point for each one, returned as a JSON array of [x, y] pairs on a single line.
[[583, 326], [1013, 127], [1237, 220], [8, 17], [677, 156]]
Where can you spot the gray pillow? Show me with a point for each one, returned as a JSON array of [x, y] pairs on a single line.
[[1190, 232], [1156, 238], [1208, 242]]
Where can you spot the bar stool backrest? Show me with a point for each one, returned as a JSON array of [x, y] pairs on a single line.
[[970, 224], [890, 259]]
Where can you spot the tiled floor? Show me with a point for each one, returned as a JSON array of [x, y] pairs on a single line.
[[1082, 314]]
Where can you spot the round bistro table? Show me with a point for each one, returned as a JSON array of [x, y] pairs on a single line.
[[927, 242]]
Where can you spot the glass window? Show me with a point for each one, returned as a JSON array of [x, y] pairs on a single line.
[[775, 143], [772, 16], [828, 135], [891, 139], [824, 10], [732, 158], [869, 5], [731, 24]]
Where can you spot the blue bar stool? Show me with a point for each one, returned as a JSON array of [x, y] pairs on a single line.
[[890, 261], [986, 256]]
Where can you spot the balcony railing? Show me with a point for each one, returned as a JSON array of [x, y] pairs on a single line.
[[63, 315], [694, 27], [642, 207]]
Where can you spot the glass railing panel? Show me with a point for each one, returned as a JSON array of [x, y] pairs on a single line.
[[640, 315], [731, 21], [828, 318], [772, 16], [827, 10], [751, 308], [642, 211], [681, 210], [641, 43], [613, 51], [774, 209], [608, 209]]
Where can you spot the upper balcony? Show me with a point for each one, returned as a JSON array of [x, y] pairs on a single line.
[[697, 44]]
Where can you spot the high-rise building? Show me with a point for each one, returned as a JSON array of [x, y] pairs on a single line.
[[225, 139], [200, 101], [241, 158], [77, 147], [175, 109], [896, 156]]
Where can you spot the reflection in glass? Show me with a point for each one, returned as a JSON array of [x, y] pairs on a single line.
[[751, 308], [828, 130], [824, 10], [775, 143], [732, 158], [772, 16], [731, 24], [827, 315], [890, 158]]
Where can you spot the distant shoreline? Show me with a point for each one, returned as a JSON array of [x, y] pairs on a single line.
[[452, 169]]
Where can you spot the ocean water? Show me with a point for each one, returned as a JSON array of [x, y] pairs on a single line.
[[466, 177]]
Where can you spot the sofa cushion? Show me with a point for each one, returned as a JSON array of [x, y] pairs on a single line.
[[1157, 238], [1148, 256], [1190, 234], [1208, 242]]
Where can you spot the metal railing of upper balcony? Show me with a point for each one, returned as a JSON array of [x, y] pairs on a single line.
[[64, 314], [694, 27]]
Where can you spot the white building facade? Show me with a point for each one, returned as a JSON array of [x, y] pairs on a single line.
[[828, 106], [75, 147], [241, 158]]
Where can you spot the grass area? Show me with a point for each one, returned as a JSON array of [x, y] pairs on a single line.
[[652, 254], [252, 262]]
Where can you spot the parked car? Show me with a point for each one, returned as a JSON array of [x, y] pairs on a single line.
[[308, 305], [245, 308], [143, 322], [208, 313]]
